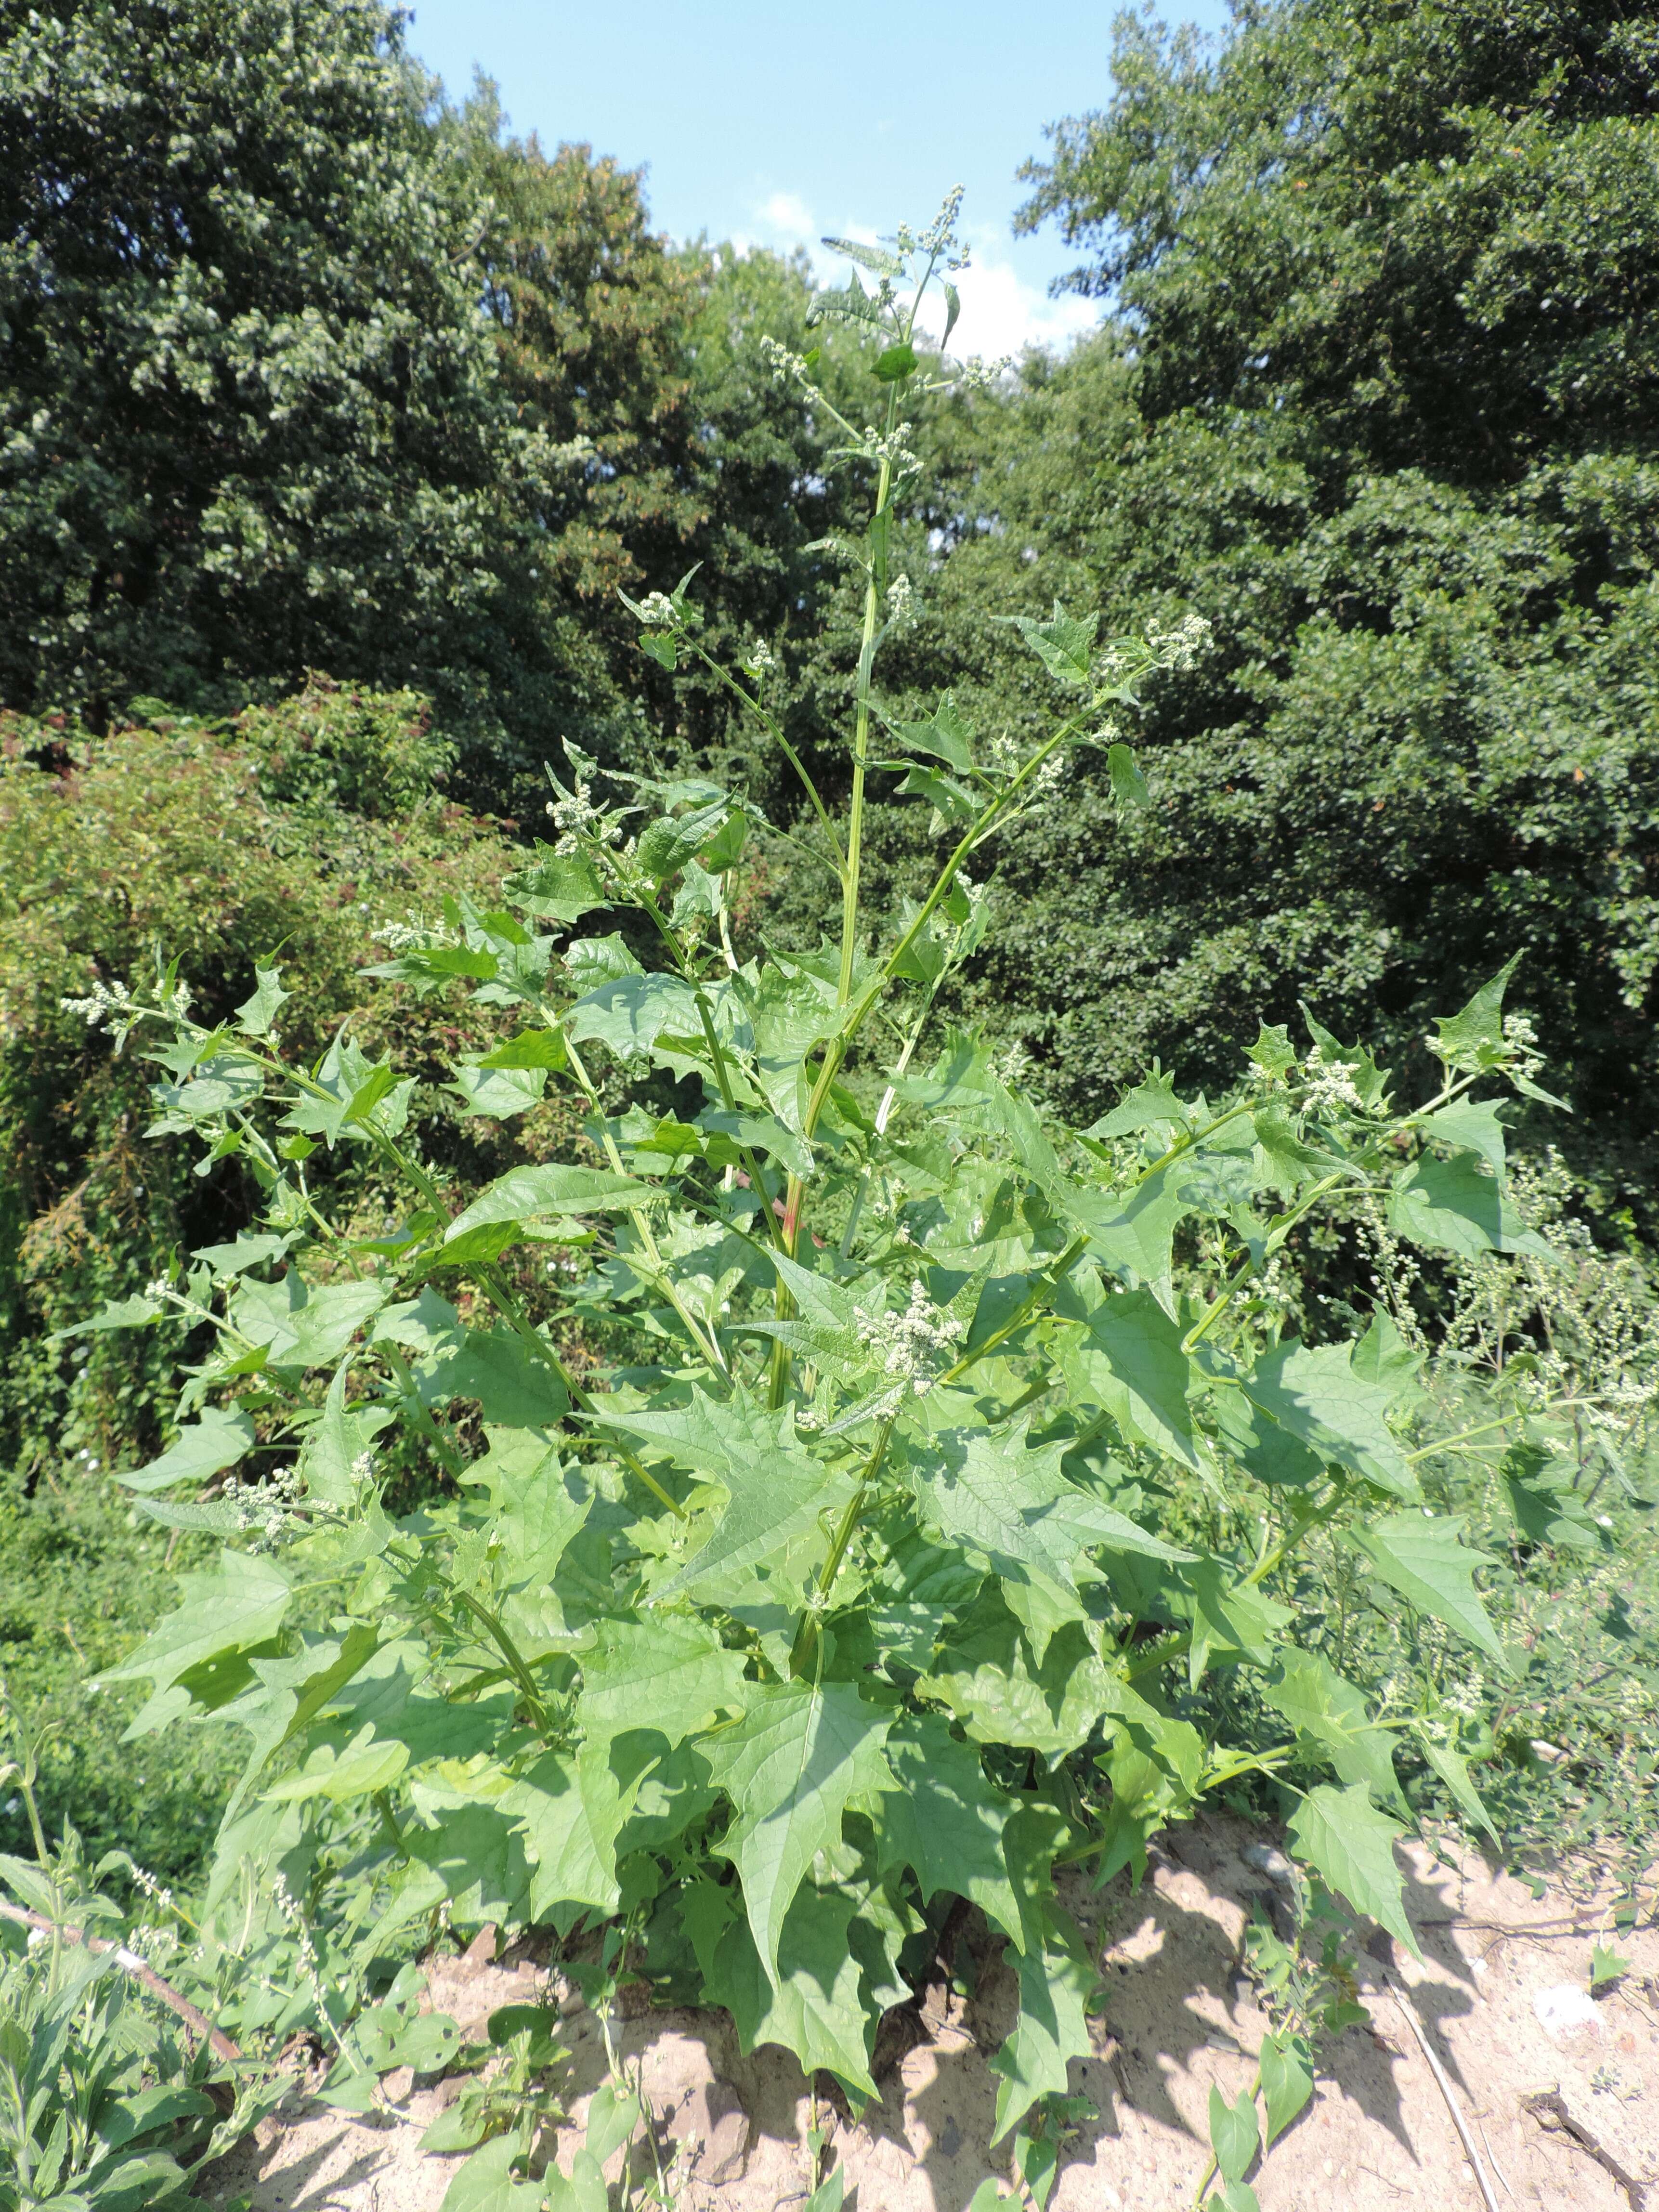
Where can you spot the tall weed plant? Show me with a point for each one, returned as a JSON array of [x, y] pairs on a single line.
[[805, 1573]]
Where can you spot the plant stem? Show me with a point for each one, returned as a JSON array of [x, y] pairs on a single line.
[[806, 1635]]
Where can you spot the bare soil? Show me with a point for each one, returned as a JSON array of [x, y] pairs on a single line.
[[1563, 2113]]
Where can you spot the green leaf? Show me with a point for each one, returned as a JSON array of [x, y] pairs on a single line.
[[1287, 2081], [1235, 2133], [812, 2005], [1473, 1039], [255, 1016], [953, 803], [629, 1014], [666, 844], [1316, 1397], [1326, 1710], [336, 1441], [511, 1385], [1273, 1051], [1064, 644], [789, 1767], [206, 1447], [497, 1093], [1350, 1845], [485, 2183], [235, 1608], [1156, 1768], [1454, 1771], [669, 1674], [530, 1048], [302, 1324], [1286, 1163], [1230, 1616], [559, 887], [1014, 1509], [1056, 1982], [1469, 1126], [774, 1491], [595, 960], [945, 1821], [362, 1767], [1543, 1503], [570, 1840], [876, 258], [1458, 1207], [894, 364], [526, 1193], [1425, 1560], [1129, 1360], [136, 1312], [945, 735], [479, 1861], [1606, 1965], [985, 1673], [1129, 787]]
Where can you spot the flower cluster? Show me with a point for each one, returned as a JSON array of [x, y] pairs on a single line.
[[656, 608], [1330, 1087], [104, 1001], [910, 1345], [1179, 648], [576, 818], [1522, 1039], [270, 1509], [1007, 758]]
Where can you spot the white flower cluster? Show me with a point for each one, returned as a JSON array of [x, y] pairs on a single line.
[[294, 1913], [760, 659], [787, 366], [978, 375], [901, 602], [657, 609], [105, 1000], [910, 1344], [1007, 759], [1330, 1087], [1179, 648], [889, 445], [1521, 1039], [410, 934], [940, 235], [575, 817], [267, 1508]]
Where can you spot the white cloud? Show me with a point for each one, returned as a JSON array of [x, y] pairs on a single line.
[[1003, 311]]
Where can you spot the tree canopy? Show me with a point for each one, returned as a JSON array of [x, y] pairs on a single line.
[[1375, 394]]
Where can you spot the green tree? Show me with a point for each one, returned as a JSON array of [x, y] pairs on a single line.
[[252, 415], [1376, 395]]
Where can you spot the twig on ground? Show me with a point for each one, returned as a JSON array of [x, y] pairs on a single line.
[[140, 1969], [1443, 2084]]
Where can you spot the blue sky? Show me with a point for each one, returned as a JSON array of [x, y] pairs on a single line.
[[771, 124]]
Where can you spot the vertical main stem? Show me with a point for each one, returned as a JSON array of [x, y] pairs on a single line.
[[875, 586]]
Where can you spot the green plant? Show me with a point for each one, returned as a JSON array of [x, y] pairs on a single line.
[[850, 1587], [104, 2102]]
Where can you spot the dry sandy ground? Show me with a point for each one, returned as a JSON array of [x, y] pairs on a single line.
[[1564, 2118]]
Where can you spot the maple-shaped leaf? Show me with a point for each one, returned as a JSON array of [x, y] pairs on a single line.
[[774, 1491], [945, 1821], [812, 2005], [1423, 1557], [1350, 1845], [668, 1675], [1316, 1397], [1328, 1710], [1056, 1983], [1128, 1359], [789, 1767]]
